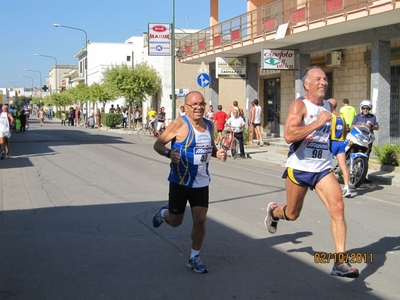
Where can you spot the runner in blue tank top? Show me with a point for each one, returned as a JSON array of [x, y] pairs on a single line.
[[192, 145]]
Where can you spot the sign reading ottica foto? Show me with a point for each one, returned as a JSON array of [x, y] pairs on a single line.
[[230, 67], [277, 59], [159, 39]]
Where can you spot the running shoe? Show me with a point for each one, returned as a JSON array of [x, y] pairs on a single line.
[[344, 270], [270, 222], [346, 193], [3, 154], [197, 265], [157, 219]]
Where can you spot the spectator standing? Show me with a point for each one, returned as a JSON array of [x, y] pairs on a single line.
[[237, 124], [250, 123], [63, 118], [257, 122], [137, 118], [348, 112], [220, 119], [112, 109], [210, 114], [77, 114], [98, 118], [125, 118]]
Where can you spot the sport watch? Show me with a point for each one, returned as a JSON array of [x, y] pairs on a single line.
[[167, 153]]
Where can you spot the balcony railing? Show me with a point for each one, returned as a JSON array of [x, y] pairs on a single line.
[[261, 24]]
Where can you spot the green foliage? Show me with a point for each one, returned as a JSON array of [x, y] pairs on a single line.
[[111, 120], [100, 93], [20, 101], [79, 94], [387, 154], [134, 84], [58, 113]]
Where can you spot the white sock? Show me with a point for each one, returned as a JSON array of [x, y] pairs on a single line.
[[346, 187], [194, 253], [163, 212]]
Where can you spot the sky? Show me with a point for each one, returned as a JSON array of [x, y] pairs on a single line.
[[26, 28]]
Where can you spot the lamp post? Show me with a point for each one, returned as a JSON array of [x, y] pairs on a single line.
[[55, 59], [32, 81], [173, 61], [86, 44], [40, 83], [86, 49], [12, 83]]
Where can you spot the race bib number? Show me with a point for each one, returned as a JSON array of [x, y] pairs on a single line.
[[201, 155], [318, 148]]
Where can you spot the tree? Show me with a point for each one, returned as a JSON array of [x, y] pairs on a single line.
[[99, 93], [132, 83], [79, 93]]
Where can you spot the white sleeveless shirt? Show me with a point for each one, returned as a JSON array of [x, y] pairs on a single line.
[[313, 153]]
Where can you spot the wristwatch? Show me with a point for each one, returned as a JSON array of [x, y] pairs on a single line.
[[167, 153]]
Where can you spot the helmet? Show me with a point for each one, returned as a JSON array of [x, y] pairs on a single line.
[[365, 103]]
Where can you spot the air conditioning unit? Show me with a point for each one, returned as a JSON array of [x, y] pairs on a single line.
[[333, 59]]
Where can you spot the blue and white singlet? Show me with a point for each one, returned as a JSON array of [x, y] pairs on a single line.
[[313, 153], [195, 151]]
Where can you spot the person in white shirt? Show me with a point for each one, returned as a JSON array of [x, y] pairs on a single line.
[[257, 122], [6, 119], [236, 123]]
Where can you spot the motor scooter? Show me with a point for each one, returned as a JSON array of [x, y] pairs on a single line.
[[358, 144]]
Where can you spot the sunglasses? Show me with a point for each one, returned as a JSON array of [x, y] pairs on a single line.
[[365, 107]]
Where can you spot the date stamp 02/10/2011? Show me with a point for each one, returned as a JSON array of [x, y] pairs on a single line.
[[350, 257]]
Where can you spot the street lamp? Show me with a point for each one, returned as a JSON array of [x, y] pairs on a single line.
[[55, 59], [86, 49], [32, 81], [40, 83], [12, 83]]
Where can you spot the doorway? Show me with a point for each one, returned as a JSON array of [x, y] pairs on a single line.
[[272, 100]]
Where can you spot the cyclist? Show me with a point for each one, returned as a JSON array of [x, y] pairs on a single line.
[[151, 118]]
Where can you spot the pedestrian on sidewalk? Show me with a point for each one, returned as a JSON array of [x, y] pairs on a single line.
[[309, 166], [220, 119], [192, 145], [257, 122], [237, 124]]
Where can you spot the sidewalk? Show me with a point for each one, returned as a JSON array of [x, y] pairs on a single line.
[[275, 150]]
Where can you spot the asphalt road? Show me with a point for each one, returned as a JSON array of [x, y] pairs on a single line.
[[75, 223]]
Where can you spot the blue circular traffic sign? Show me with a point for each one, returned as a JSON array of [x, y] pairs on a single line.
[[203, 80]]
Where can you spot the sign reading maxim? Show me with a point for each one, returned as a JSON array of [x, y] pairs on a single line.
[[277, 59]]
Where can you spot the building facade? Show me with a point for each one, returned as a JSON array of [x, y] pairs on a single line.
[[357, 44]]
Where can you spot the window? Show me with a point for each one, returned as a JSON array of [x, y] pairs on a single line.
[[128, 58]]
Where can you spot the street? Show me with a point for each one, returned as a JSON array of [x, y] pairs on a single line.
[[76, 223]]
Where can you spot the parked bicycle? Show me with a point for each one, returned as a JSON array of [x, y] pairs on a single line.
[[146, 132], [229, 143]]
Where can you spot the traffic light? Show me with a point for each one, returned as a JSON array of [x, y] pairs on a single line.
[[45, 88]]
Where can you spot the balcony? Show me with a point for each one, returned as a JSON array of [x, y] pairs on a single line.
[[307, 21]]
